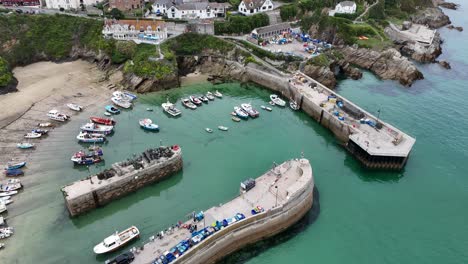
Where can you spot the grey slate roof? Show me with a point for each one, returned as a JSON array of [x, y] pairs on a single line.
[[272, 28], [346, 3], [255, 3]]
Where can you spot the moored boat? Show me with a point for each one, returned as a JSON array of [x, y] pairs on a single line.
[[148, 124], [240, 113], [124, 96], [40, 131], [107, 113], [203, 99], [223, 128], [3, 208], [15, 165], [187, 103], [236, 119], [111, 109], [121, 102], [195, 100], [218, 94], [75, 107], [97, 128], [7, 193], [13, 172], [169, 108], [209, 130], [57, 116], [8, 188], [130, 95], [44, 124], [250, 110], [210, 96], [277, 100], [117, 240], [102, 120], [83, 158], [293, 105], [25, 145], [90, 138], [32, 135]]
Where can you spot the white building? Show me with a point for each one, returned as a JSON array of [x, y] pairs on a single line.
[[136, 30], [345, 7], [251, 7], [69, 4], [181, 9]]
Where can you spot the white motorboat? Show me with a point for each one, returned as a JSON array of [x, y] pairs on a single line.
[[223, 128], [25, 145], [74, 107], [107, 114], [5, 188], [241, 113], [210, 96], [277, 100], [97, 128], [209, 130], [148, 124], [121, 102], [169, 108], [5, 201], [195, 100], [293, 105], [187, 103], [124, 96], [218, 94], [57, 116], [33, 135], [4, 198], [117, 240], [10, 193], [90, 138], [250, 110]]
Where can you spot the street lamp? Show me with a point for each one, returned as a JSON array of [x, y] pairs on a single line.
[[276, 196]]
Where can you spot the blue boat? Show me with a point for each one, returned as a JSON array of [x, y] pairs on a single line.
[[13, 172], [12, 166], [133, 96], [148, 124], [111, 109]]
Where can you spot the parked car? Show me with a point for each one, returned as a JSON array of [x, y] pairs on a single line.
[[124, 258]]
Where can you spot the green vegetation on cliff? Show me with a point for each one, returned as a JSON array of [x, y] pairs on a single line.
[[145, 62], [5, 74], [194, 44], [241, 24]]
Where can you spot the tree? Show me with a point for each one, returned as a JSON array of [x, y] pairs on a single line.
[[377, 11], [116, 13]]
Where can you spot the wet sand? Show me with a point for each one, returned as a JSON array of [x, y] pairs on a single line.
[[44, 86]]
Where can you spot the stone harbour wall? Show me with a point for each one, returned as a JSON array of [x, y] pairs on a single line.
[[99, 196]]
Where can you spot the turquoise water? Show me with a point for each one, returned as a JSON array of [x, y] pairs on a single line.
[[417, 215]]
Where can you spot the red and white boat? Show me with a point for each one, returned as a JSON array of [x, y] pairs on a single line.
[[102, 120]]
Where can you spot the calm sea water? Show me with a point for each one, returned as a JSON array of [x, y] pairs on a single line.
[[417, 215]]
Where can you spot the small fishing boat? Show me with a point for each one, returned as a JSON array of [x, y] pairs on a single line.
[[121, 102], [107, 114], [293, 105], [7, 193], [123, 96], [149, 109], [148, 124], [277, 100], [32, 135], [130, 95], [8, 188], [223, 128], [187, 103], [233, 113], [210, 96], [75, 107], [169, 108], [250, 110], [241, 113], [13, 172], [117, 240], [236, 119], [25, 145], [218, 94], [57, 116], [15, 165], [203, 99], [97, 128], [5, 201], [111, 109], [44, 125], [40, 131], [83, 158], [102, 121], [90, 138], [195, 100], [209, 130], [5, 198]]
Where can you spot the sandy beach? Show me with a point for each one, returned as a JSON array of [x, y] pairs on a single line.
[[44, 86]]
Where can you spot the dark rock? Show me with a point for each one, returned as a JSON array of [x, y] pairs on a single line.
[[406, 25], [448, 5], [322, 74], [445, 64], [432, 17]]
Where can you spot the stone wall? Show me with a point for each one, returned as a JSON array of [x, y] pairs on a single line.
[[125, 185]]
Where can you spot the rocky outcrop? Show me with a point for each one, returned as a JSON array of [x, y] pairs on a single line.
[[388, 64], [144, 85], [454, 27], [448, 5], [432, 17], [445, 64], [321, 74], [423, 53]]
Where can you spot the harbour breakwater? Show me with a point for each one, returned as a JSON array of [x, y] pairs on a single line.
[[121, 179], [285, 194]]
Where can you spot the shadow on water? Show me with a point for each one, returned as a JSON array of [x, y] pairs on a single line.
[[251, 251], [153, 190], [372, 175]]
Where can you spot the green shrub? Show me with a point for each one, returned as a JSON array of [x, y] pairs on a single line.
[[5, 74], [288, 12], [193, 44], [241, 24]]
